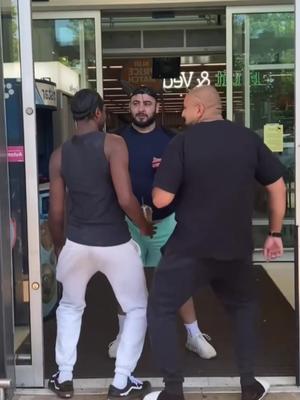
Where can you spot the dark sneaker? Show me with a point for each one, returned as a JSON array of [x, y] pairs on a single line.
[[135, 389], [64, 390], [256, 391], [163, 395]]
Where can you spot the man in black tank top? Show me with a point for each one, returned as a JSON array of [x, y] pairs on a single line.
[[92, 168]]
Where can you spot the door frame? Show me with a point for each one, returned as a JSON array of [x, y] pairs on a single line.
[[297, 179], [33, 374]]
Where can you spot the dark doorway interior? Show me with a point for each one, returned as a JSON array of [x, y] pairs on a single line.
[[276, 349]]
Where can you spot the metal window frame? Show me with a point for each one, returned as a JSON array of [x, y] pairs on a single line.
[[297, 179], [31, 375]]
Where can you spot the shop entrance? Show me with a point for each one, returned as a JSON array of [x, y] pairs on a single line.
[[132, 44]]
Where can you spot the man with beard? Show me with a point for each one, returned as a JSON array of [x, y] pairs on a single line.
[[146, 143]]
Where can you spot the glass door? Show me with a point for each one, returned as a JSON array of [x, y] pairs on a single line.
[[67, 57], [7, 365], [24, 228], [260, 95]]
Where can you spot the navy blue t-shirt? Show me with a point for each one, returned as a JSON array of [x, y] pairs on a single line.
[[142, 147]]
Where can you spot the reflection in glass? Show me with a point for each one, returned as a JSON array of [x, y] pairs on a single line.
[[64, 50], [263, 56], [272, 38], [15, 142]]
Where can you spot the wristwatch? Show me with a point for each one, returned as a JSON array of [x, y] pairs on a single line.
[[275, 234]]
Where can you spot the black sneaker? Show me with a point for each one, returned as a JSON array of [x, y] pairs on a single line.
[[163, 395], [256, 391], [135, 389], [64, 390]]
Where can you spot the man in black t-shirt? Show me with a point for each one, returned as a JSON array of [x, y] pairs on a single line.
[[211, 169]]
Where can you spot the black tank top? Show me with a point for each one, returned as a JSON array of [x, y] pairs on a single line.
[[94, 215]]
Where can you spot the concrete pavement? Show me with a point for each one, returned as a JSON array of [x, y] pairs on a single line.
[[191, 396]]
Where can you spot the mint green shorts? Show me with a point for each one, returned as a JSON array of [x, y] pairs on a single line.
[[150, 247]]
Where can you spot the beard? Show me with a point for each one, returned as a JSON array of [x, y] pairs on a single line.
[[145, 123]]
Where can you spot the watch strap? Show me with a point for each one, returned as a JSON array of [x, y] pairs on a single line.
[[275, 234]]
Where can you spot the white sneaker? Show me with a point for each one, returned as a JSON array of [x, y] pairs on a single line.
[[199, 345], [152, 396], [256, 391], [113, 348]]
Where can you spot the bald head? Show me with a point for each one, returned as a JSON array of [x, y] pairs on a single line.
[[208, 96], [202, 103]]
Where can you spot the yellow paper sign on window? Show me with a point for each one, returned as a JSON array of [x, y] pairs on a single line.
[[273, 137]]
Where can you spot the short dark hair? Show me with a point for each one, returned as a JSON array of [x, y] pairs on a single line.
[[144, 90], [85, 103]]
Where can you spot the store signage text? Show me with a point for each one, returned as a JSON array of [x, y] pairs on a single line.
[[45, 94], [15, 154], [219, 79], [185, 80]]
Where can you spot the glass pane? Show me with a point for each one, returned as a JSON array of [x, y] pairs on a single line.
[[65, 52], [263, 92], [272, 38], [15, 141], [272, 101], [64, 62]]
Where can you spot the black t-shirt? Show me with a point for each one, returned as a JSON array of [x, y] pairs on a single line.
[[212, 169]]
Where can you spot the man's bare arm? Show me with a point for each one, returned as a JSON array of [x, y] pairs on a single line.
[[57, 201], [161, 198], [277, 203], [117, 155], [273, 246]]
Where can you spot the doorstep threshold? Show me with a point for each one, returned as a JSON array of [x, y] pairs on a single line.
[[279, 384]]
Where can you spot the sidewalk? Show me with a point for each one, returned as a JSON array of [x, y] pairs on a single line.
[[193, 396]]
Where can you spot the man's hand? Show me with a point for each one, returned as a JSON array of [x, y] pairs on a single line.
[[273, 248], [156, 162], [148, 229]]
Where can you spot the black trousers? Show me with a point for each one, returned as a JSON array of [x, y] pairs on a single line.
[[177, 278]]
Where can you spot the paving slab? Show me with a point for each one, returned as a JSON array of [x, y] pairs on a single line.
[[189, 396]]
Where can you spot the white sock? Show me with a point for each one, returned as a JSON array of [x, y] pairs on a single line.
[[193, 329], [65, 376], [121, 318], [120, 381]]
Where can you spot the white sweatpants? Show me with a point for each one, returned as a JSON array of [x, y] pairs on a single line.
[[123, 268]]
